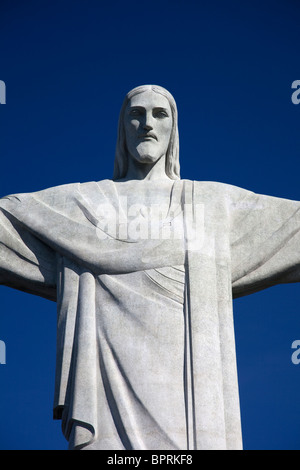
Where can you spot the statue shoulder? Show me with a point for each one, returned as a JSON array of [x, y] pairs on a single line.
[[222, 191]]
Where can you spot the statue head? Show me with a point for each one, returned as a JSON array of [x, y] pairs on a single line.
[[172, 168]]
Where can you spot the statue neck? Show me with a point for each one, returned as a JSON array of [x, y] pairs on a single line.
[[142, 171]]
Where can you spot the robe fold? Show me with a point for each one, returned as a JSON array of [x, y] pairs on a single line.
[[145, 337]]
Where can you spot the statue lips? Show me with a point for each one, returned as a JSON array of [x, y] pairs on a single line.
[[150, 135]]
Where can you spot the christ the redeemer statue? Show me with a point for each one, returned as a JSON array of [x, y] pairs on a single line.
[[143, 268]]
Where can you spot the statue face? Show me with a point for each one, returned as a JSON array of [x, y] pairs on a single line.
[[148, 125]]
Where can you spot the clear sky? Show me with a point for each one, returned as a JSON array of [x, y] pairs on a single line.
[[67, 66]]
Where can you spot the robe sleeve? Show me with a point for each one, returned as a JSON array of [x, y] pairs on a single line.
[[265, 241], [26, 263]]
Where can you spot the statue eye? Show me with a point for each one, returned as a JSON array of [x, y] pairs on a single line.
[[135, 112], [161, 114]]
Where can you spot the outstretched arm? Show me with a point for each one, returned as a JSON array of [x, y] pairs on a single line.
[[265, 242], [25, 262]]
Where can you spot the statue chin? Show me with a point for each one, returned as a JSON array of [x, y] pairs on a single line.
[[146, 155], [146, 152], [147, 158]]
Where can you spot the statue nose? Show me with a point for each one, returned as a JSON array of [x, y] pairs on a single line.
[[148, 124]]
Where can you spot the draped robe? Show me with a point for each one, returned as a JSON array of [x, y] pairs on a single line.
[[145, 337]]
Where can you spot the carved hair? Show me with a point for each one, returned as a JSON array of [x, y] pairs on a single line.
[[172, 156]]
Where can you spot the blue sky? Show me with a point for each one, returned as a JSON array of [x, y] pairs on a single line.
[[67, 66]]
